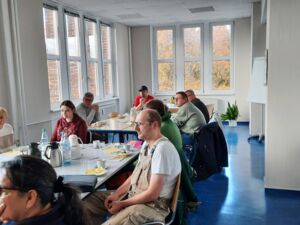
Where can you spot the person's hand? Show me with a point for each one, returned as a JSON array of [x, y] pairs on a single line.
[[115, 207], [95, 107], [2, 208], [142, 101], [108, 201]]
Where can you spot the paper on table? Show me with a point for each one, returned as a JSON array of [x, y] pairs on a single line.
[[96, 171]]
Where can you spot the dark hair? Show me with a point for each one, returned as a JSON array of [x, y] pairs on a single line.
[[158, 105], [69, 104], [89, 95], [183, 94], [31, 173], [190, 91], [153, 116]]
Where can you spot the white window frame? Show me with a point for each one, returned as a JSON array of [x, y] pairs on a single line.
[[206, 58], [156, 61]]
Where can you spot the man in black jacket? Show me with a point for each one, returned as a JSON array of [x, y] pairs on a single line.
[[198, 103]]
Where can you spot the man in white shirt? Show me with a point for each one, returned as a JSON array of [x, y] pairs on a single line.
[[149, 190], [87, 110], [6, 130]]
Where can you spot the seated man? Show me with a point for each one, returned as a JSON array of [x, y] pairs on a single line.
[[6, 130], [198, 103], [142, 99], [149, 190], [188, 118], [87, 110]]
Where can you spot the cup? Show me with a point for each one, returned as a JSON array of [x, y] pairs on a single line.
[[101, 163], [96, 144], [127, 147]]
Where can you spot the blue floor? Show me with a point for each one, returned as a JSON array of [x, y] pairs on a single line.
[[237, 196]]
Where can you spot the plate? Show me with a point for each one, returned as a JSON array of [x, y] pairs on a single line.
[[96, 171]]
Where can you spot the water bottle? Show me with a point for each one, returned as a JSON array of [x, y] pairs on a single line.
[[43, 142], [65, 149]]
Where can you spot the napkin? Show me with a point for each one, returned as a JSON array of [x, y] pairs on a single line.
[[95, 171]]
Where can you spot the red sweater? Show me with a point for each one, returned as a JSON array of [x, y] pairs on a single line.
[[76, 126], [138, 99]]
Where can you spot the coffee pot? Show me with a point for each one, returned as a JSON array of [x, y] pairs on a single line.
[[34, 150], [53, 155]]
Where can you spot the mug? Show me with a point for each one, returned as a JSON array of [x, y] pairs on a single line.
[[127, 147], [74, 140], [96, 144], [101, 163]]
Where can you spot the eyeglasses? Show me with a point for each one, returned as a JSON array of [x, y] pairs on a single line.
[[6, 190], [138, 124], [88, 99]]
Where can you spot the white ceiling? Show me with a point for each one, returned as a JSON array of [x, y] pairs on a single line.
[[150, 12]]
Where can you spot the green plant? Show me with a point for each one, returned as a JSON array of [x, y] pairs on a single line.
[[232, 112]]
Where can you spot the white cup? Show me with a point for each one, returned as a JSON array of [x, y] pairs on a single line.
[[127, 147], [101, 163], [96, 144]]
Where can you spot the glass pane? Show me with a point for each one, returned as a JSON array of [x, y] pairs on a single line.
[[91, 39], [51, 31], [165, 44], [221, 75], [93, 78], [75, 80], [221, 40], [107, 70], [192, 76], [192, 42], [72, 27], [54, 81], [106, 42], [165, 76]]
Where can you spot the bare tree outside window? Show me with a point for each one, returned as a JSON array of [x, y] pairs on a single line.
[[221, 47]]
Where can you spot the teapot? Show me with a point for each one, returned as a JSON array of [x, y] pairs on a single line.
[[73, 139], [53, 154]]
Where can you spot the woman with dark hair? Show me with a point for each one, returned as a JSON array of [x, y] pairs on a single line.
[[69, 123], [31, 194]]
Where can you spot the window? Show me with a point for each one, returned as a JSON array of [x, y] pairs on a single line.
[[197, 57], [74, 56], [53, 53], [221, 57], [106, 44], [91, 39], [192, 58], [165, 59]]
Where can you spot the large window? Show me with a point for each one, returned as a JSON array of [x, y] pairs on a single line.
[[221, 57], [165, 59], [91, 40], [106, 44], [197, 57], [53, 54], [79, 55]]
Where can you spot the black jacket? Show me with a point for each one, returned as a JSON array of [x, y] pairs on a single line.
[[210, 151]]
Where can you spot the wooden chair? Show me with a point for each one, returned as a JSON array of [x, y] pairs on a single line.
[[170, 218]]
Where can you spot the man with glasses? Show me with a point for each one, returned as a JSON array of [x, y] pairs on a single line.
[[87, 110], [149, 189]]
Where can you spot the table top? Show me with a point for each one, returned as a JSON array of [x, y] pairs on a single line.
[[117, 124]]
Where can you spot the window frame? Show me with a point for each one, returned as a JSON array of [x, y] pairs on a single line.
[[206, 58], [156, 61]]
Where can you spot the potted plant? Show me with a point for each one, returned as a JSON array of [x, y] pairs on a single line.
[[231, 114]]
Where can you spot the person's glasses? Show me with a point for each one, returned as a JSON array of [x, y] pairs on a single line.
[[88, 99], [138, 124], [6, 190]]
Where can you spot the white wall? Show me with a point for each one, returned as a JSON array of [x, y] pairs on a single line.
[[141, 55], [141, 58], [123, 67], [282, 126]]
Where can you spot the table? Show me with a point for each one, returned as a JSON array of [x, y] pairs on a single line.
[[116, 125]]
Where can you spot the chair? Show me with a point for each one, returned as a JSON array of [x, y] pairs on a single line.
[[170, 218], [210, 109]]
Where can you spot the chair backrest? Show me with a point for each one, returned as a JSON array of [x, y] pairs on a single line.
[[210, 109], [174, 200], [113, 114]]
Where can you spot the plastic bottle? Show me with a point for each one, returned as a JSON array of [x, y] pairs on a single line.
[[43, 142], [65, 149]]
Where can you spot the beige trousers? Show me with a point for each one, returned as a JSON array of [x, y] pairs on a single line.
[[132, 215]]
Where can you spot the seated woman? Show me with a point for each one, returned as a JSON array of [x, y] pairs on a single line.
[[69, 123], [6, 130], [171, 131], [33, 195]]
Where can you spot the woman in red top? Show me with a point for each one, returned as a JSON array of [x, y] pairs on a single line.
[[69, 123]]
